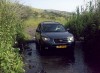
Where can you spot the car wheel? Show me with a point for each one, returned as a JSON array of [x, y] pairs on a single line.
[[41, 50], [37, 46], [71, 50]]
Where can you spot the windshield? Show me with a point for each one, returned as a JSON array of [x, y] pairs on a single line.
[[53, 28]]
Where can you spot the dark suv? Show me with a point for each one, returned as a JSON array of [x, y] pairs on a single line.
[[52, 35]]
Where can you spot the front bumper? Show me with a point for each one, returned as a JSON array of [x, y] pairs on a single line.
[[50, 45]]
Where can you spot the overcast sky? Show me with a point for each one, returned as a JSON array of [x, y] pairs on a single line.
[[63, 5]]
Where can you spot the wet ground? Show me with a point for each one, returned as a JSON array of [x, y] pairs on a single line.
[[60, 62]]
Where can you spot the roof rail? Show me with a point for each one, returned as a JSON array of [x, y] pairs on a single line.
[[50, 22]]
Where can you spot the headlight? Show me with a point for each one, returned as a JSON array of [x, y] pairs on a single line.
[[70, 39], [45, 39]]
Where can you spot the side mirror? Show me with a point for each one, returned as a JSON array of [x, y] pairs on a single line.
[[37, 30]]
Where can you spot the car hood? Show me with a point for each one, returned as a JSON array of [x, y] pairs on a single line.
[[56, 34]]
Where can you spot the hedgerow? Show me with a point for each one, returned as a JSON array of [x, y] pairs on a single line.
[[11, 25]]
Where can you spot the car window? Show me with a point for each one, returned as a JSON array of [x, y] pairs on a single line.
[[53, 28]]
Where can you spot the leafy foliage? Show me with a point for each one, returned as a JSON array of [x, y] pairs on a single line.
[[85, 22], [10, 25]]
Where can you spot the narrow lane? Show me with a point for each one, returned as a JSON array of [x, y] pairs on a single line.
[[56, 62]]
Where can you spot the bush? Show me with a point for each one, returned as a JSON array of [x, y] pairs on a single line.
[[10, 25], [85, 23]]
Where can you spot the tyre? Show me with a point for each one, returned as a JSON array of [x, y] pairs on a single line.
[[71, 50], [37, 46], [40, 48]]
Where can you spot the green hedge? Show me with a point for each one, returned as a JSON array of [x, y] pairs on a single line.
[[10, 25], [85, 23]]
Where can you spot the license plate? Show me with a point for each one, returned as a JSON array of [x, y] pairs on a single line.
[[61, 46]]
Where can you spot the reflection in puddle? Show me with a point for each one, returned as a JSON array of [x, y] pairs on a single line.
[[60, 62], [92, 60]]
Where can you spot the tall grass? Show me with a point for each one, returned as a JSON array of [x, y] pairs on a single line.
[[85, 22], [10, 25]]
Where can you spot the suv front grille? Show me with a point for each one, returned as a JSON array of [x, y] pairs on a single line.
[[60, 40]]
